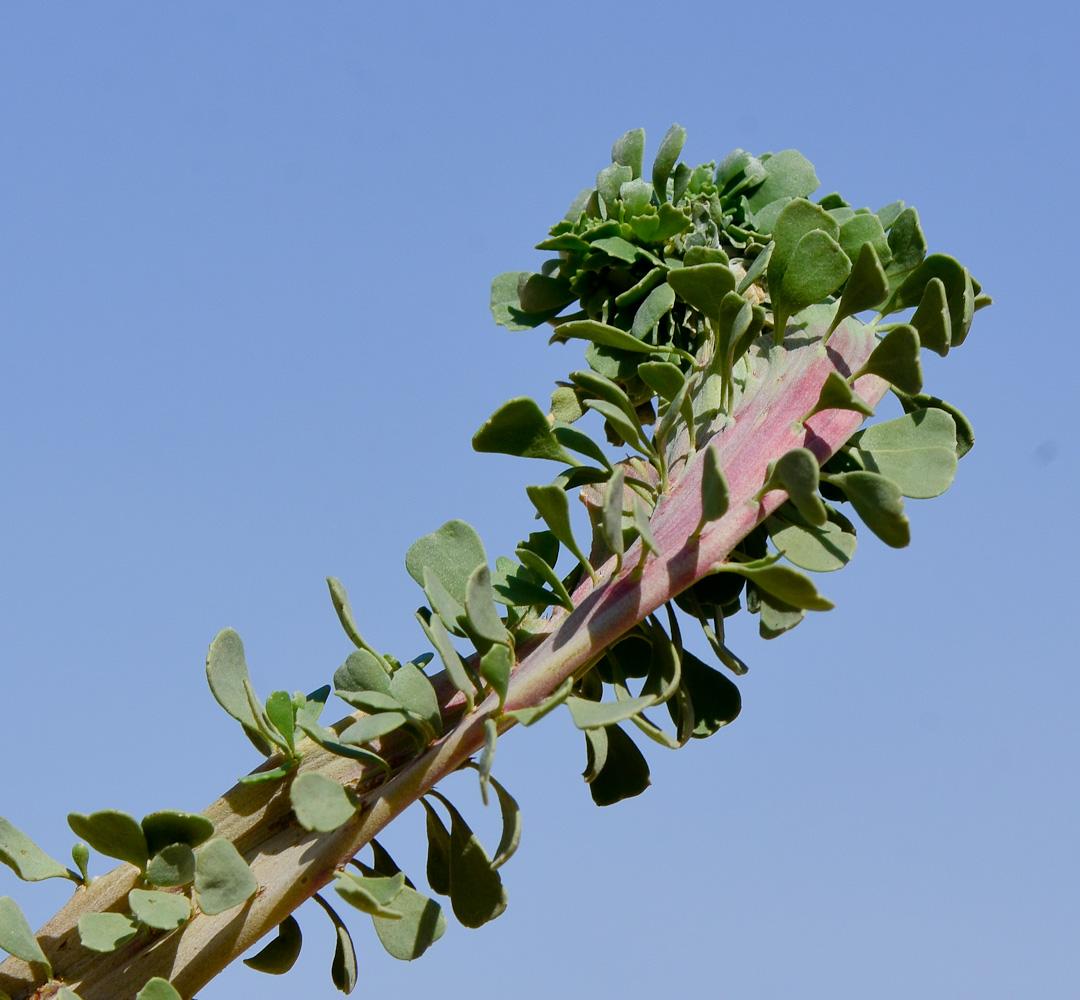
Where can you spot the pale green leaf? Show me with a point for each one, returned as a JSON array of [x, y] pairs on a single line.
[[112, 833], [222, 877], [164, 911], [520, 427], [594, 714], [16, 936], [25, 858], [916, 451], [320, 803], [173, 865], [105, 932], [279, 955], [227, 674], [158, 989]]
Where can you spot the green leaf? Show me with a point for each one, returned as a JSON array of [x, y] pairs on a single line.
[[877, 500], [343, 968], [371, 701], [80, 854], [455, 668], [657, 305], [788, 174], [757, 268], [105, 932], [595, 714], [965, 433], [168, 826], [373, 726], [641, 523], [280, 955], [538, 565], [666, 157], [412, 688], [916, 451], [540, 294], [565, 406], [798, 219], [605, 336], [344, 612], [438, 855], [320, 803], [896, 359], [480, 607], [25, 858], [112, 833], [609, 181], [889, 214], [554, 508], [617, 247], [227, 674], [629, 429], [16, 937], [362, 671], [62, 994], [511, 825], [932, 320], [716, 701], [866, 286], [495, 667], [327, 739], [505, 305], [629, 150], [534, 713], [580, 442], [819, 549], [519, 427], [476, 890], [817, 268], [703, 287], [623, 772], [837, 394], [420, 923], [797, 472], [776, 616], [158, 989], [173, 865], [611, 523], [783, 582], [664, 378], [487, 754], [636, 196], [862, 229], [451, 553], [164, 911], [282, 713], [222, 877], [907, 243]]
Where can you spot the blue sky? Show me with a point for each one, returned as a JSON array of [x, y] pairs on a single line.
[[246, 252]]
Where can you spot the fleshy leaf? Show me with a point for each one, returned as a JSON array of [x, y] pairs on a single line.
[[703, 286], [158, 989], [716, 701], [785, 583], [862, 229], [105, 932], [554, 508], [452, 553], [629, 150], [775, 616], [819, 549], [877, 500], [797, 472], [480, 607], [867, 285], [896, 359], [164, 911], [657, 305], [534, 713], [604, 336], [965, 433], [280, 955], [837, 394], [932, 320], [623, 772], [173, 865], [506, 306], [167, 826], [511, 825], [916, 451], [540, 566], [373, 726], [907, 243], [816, 269], [798, 219], [495, 667], [375, 896], [455, 668], [476, 890], [222, 877], [788, 174], [319, 802], [16, 936], [227, 674], [595, 714], [519, 427], [421, 922], [412, 688], [362, 671], [343, 967], [343, 609], [438, 855], [25, 858], [666, 157], [112, 833]]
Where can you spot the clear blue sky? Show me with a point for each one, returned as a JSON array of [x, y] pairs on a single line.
[[245, 252]]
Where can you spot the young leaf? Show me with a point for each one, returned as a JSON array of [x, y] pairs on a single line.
[[112, 833], [896, 359], [554, 508], [280, 955], [623, 773], [105, 932], [907, 243], [164, 911], [158, 989], [916, 451], [222, 877], [282, 713], [580, 442], [797, 472], [319, 802], [667, 155], [487, 755], [664, 378], [344, 612], [16, 937], [837, 394], [173, 865], [629, 150], [226, 672], [519, 427], [877, 500], [26, 859], [860, 230], [627, 427], [657, 305], [506, 306]]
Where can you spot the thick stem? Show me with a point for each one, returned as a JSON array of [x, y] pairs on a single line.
[[291, 864]]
